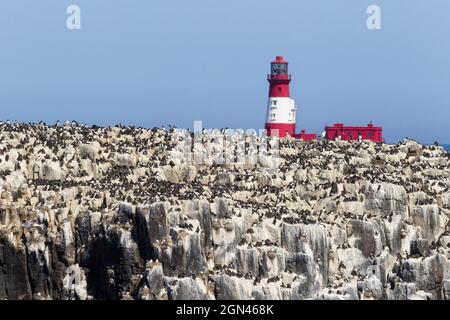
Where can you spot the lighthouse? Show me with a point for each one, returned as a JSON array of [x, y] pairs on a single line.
[[281, 108], [282, 112]]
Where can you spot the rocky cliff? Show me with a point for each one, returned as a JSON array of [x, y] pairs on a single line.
[[119, 213]]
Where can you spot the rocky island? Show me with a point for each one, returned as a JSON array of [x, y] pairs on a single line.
[[119, 213]]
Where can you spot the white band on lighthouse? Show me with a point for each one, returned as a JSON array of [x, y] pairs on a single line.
[[281, 110]]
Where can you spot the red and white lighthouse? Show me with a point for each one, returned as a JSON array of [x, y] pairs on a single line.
[[281, 109]]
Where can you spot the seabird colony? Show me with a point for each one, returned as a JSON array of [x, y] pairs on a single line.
[[121, 213]]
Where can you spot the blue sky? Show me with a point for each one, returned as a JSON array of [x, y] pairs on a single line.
[[158, 62]]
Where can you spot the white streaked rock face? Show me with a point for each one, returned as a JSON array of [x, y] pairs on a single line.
[[74, 283], [123, 213]]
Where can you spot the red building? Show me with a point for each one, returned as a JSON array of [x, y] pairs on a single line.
[[340, 132], [305, 136]]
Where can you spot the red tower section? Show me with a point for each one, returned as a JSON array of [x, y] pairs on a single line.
[[279, 79]]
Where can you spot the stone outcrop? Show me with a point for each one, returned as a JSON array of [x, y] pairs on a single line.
[[122, 213]]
